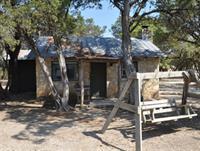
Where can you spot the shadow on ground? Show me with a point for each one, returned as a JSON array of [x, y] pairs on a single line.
[[155, 130], [40, 122]]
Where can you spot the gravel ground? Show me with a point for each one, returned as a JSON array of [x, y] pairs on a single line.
[[26, 126]]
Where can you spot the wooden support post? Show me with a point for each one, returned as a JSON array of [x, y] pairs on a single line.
[[138, 117], [81, 81], [117, 104], [185, 92]]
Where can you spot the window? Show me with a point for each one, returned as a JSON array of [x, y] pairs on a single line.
[[72, 71], [123, 71], [55, 71]]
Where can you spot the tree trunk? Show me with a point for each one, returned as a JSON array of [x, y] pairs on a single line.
[[13, 82], [126, 44], [65, 82], [2, 93], [61, 102]]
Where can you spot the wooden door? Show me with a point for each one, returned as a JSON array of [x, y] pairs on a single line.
[[98, 80]]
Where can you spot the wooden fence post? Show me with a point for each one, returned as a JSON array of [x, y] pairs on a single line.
[[81, 80], [138, 116]]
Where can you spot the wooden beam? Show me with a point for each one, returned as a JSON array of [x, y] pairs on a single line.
[[117, 104], [160, 110], [154, 101], [186, 78], [175, 118], [157, 75], [138, 117], [81, 81], [129, 107], [157, 104]]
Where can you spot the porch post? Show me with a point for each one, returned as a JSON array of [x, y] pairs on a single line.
[[81, 82]]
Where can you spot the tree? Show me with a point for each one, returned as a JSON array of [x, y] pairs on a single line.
[[152, 23], [132, 12], [87, 27], [183, 24], [10, 42], [50, 18], [184, 21], [41, 17]]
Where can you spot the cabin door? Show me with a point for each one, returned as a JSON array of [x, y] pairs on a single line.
[[98, 80]]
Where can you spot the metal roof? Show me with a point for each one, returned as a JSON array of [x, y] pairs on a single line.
[[95, 46]]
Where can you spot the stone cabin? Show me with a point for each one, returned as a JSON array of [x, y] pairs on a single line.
[[95, 68]]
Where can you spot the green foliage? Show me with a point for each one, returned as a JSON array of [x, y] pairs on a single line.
[[87, 27], [44, 17], [182, 31], [86, 4], [7, 31], [183, 21]]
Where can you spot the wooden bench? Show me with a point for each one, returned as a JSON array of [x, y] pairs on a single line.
[[165, 110]]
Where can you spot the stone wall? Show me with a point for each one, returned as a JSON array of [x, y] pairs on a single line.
[[42, 86], [112, 79], [150, 88]]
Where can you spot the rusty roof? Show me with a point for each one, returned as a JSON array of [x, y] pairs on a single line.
[[94, 47]]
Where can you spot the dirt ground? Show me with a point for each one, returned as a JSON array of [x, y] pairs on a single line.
[[24, 125]]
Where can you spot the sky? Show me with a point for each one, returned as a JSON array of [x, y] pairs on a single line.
[[103, 17]]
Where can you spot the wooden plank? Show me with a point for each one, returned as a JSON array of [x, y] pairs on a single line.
[[129, 107], [125, 89], [173, 118], [161, 110], [109, 119], [102, 103], [81, 82], [117, 104], [153, 106], [158, 104], [185, 87], [138, 117], [158, 75]]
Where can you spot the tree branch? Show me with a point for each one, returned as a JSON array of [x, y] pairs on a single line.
[[188, 41], [138, 10], [151, 12], [117, 4], [132, 3]]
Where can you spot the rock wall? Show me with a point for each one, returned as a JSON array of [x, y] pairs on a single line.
[[42, 88], [150, 88], [112, 79], [42, 85]]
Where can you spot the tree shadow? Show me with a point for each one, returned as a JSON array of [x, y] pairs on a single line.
[[150, 130], [40, 122], [94, 134], [165, 128]]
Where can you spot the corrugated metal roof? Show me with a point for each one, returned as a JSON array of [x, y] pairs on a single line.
[[96, 46]]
